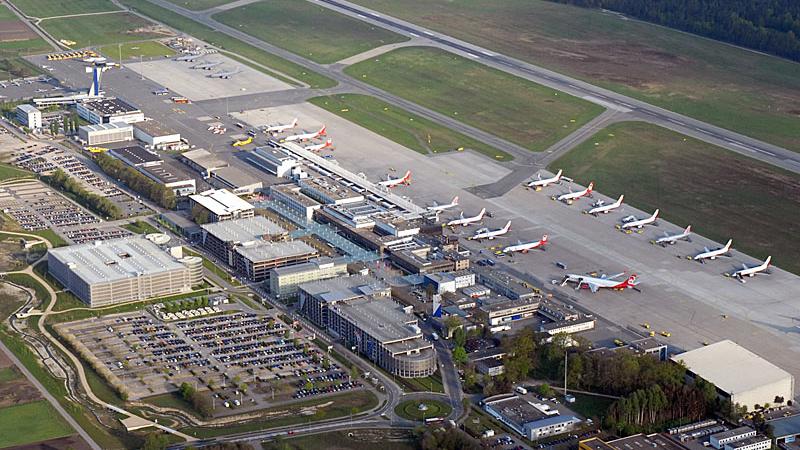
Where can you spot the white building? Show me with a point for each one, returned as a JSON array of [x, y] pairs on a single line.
[[533, 421], [276, 162], [29, 116], [109, 110], [291, 196], [153, 134], [719, 440], [757, 442], [568, 326], [222, 204], [105, 133], [284, 281]]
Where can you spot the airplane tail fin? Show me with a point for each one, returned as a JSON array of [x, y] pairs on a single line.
[[294, 122], [560, 172], [322, 131], [620, 199], [407, 176], [508, 226], [655, 214], [728, 245], [328, 143], [688, 229], [590, 187], [455, 201], [768, 261], [632, 280], [544, 239]]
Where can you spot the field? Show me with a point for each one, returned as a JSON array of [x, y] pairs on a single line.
[[351, 440], [11, 28], [8, 172], [306, 29], [199, 5], [412, 131], [17, 39], [590, 406], [674, 70], [31, 422], [720, 193], [147, 49], [263, 61], [410, 409], [141, 227], [526, 113], [52, 8], [101, 29]]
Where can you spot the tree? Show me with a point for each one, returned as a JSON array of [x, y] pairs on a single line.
[[155, 441], [450, 324], [459, 337], [460, 355], [544, 390]]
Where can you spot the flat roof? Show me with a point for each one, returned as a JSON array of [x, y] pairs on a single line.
[[645, 442], [748, 441], [314, 264], [136, 155], [383, 319], [110, 106], [502, 305], [154, 128], [115, 259], [204, 159], [221, 202], [351, 283], [786, 426], [731, 367], [27, 108], [243, 230], [517, 410], [294, 191], [106, 126], [235, 177], [267, 251], [732, 433], [167, 173]]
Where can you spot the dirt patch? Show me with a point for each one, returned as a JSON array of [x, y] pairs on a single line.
[[16, 392], [15, 31], [73, 442], [5, 361]]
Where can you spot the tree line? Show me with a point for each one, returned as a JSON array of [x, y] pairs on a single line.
[[101, 205], [771, 26], [135, 180]]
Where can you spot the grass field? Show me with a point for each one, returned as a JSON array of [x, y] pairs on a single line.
[[590, 406], [8, 172], [309, 30], [674, 70], [52, 8], [199, 5], [410, 130], [231, 45], [147, 49], [526, 113], [355, 440], [141, 227], [16, 40], [410, 409], [9, 374], [100, 29], [720, 193], [31, 422]]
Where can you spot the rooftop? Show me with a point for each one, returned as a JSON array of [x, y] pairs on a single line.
[[236, 177], [786, 426], [748, 441], [154, 128], [267, 251], [110, 106], [204, 159], [293, 191], [27, 108], [732, 433], [106, 126], [517, 410], [221, 202], [167, 173], [383, 319], [243, 230], [314, 264], [136, 155], [355, 284], [645, 442]]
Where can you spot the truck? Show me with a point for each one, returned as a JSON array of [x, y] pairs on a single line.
[[521, 390]]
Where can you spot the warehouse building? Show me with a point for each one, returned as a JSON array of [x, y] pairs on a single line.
[[291, 196], [136, 156], [202, 161], [740, 375], [170, 176], [221, 204], [720, 440], [29, 116], [276, 162], [109, 110], [152, 133], [121, 270], [284, 281], [235, 179], [531, 420], [105, 133]]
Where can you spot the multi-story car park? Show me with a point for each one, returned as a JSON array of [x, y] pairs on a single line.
[[284, 282], [222, 238], [109, 110], [255, 260], [105, 133]]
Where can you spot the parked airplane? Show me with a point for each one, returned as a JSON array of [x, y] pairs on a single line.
[[601, 207], [243, 142], [207, 65], [540, 183], [439, 208], [318, 147], [225, 74], [280, 128], [524, 247], [673, 238], [486, 233], [632, 222], [712, 254], [465, 221], [390, 182], [3, 85], [751, 271], [305, 136], [188, 58], [596, 283], [570, 197]]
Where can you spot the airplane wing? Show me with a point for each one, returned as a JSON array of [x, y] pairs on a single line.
[[611, 277], [706, 250], [593, 287]]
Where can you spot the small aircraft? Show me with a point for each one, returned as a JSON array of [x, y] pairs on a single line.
[[191, 57], [225, 74], [390, 182], [540, 183], [243, 142], [439, 208], [632, 222], [570, 197], [673, 238], [599, 206], [275, 129], [305, 136], [486, 233], [207, 65], [712, 254], [466, 221], [318, 147], [596, 283], [525, 247], [751, 271]]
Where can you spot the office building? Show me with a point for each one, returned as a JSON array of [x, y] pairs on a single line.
[[719, 440], [221, 204], [284, 281], [503, 311], [222, 238], [29, 116], [107, 110], [274, 161], [292, 197], [255, 260], [757, 442], [105, 133], [155, 135], [531, 420]]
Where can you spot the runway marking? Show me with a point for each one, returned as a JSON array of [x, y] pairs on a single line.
[[606, 104], [677, 122], [428, 33], [362, 16], [487, 53], [413, 34], [472, 55]]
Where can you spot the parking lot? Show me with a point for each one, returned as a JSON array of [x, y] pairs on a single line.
[[35, 206]]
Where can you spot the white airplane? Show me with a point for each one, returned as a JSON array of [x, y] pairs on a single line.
[[466, 221], [318, 147], [525, 247], [599, 206], [540, 183], [712, 254], [305, 136], [673, 238], [751, 271], [439, 208], [275, 129], [486, 233], [632, 222], [570, 197], [225, 74], [207, 65], [188, 58], [3, 85], [596, 283], [390, 182]]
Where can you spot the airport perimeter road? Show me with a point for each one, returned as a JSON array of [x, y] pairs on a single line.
[[739, 143]]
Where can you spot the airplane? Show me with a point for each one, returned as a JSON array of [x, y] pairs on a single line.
[[596, 283], [751, 271], [673, 238], [280, 128], [570, 197], [439, 208], [390, 182], [318, 147], [225, 75], [485, 233], [206, 65], [243, 142], [466, 221], [539, 183], [524, 247], [712, 254], [632, 222], [305, 136], [3, 85], [600, 206], [188, 58], [93, 59]]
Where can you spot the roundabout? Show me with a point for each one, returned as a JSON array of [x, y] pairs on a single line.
[[422, 409]]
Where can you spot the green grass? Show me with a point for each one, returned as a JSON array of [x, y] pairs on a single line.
[[11, 64], [407, 129], [141, 227], [215, 269], [590, 406], [410, 409], [340, 440], [232, 46], [101, 29], [8, 172], [31, 422], [52, 8], [518, 110], [306, 29], [671, 69], [86, 313], [720, 193], [199, 5], [427, 384], [146, 49], [50, 235], [9, 374]]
